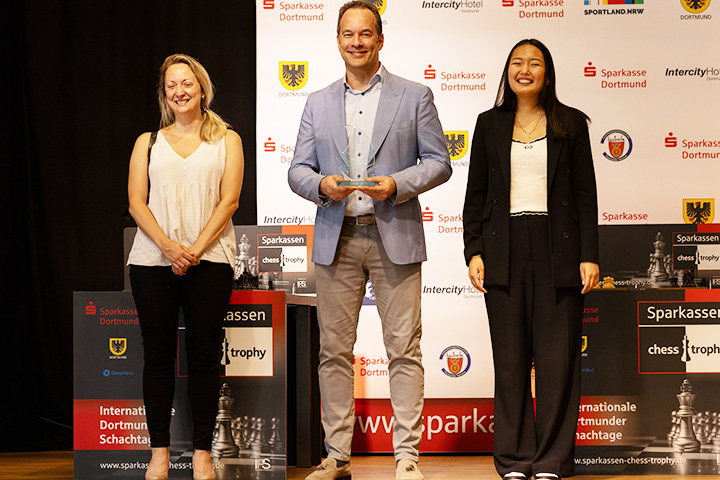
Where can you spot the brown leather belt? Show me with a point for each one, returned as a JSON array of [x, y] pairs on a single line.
[[367, 219]]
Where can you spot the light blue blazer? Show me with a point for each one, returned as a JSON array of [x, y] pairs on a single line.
[[410, 147]]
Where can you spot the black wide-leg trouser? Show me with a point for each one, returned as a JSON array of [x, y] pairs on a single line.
[[532, 320], [203, 294]]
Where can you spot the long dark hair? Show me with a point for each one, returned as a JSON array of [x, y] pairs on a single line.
[[560, 117]]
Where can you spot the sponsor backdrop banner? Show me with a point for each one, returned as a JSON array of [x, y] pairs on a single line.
[[640, 69], [111, 438]]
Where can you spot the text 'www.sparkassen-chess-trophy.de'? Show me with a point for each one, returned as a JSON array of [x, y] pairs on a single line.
[[356, 159]]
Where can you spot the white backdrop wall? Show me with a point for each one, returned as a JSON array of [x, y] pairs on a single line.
[[647, 73]]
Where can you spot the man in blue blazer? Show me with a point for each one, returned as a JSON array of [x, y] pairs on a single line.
[[388, 129]]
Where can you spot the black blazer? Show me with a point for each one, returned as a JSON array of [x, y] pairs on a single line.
[[572, 199]]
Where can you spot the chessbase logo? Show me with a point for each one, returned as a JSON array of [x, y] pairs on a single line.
[[293, 75], [457, 361], [457, 143], [462, 6], [613, 7], [117, 346], [698, 210], [619, 145], [537, 8]]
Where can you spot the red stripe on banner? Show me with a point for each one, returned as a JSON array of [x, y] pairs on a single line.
[[110, 425], [702, 295], [449, 425], [708, 227]]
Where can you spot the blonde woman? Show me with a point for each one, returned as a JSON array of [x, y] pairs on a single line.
[[182, 197]]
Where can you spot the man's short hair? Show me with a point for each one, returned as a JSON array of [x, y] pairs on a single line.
[[361, 4]]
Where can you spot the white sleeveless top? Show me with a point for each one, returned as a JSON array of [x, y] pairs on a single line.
[[528, 177], [183, 195]]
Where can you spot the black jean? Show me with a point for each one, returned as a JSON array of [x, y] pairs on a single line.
[[203, 294]]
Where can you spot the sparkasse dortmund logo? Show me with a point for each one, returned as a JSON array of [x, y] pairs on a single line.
[[695, 6], [457, 143], [698, 210], [293, 75]]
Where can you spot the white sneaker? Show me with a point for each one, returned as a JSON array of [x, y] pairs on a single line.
[[328, 470], [408, 470]]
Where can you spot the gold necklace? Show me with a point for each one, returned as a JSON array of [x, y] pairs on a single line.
[[529, 134]]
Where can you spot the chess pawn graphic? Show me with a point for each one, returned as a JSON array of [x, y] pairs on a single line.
[[674, 429], [224, 445], [243, 433], [686, 441], [259, 442], [716, 433], [715, 426], [275, 439], [701, 427]]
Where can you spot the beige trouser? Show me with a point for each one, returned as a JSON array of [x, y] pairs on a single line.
[[341, 287]]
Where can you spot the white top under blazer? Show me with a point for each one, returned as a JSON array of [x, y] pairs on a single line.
[[528, 177], [184, 193]]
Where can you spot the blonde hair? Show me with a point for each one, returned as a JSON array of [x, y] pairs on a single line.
[[213, 127]]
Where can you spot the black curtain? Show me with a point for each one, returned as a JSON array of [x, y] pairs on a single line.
[[80, 79]]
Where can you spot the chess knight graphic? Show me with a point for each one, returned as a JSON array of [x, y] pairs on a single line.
[[698, 210], [293, 75]]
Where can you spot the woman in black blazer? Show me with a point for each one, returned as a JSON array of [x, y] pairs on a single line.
[[531, 245]]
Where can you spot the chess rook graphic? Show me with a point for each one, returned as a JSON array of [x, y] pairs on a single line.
[[246, 447]]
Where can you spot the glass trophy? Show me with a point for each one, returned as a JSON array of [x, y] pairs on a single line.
[[357, 158]]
